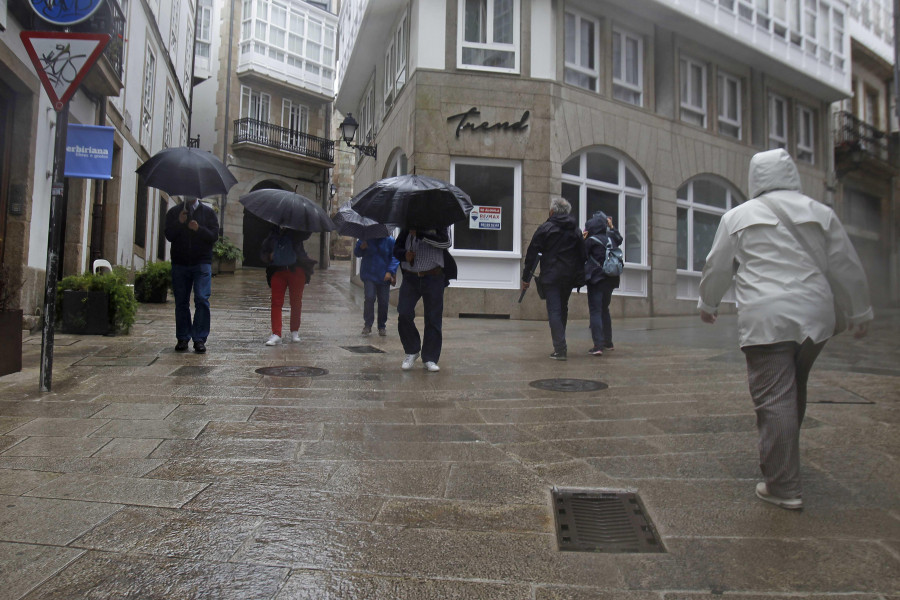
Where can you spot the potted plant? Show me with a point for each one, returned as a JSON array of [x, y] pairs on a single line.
[[152, 283], [10, 320], [96, 304], [226, 254]]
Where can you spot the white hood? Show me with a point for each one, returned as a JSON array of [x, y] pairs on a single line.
[[772, 170]]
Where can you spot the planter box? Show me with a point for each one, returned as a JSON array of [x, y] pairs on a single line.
[[224, 267], [85, 312], [11, 334]]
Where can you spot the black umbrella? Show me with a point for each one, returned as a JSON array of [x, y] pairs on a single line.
[[413, 201], [352, 224], [187, 171], [287, 209]]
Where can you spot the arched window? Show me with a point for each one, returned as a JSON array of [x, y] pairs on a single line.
[[602, 179], [701, 203], [398, 165]]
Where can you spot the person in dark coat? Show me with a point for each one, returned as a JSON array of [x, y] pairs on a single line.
[[378, 271], [598, 232], [288, 268], [192, 228], [560, 242], [427, 268]]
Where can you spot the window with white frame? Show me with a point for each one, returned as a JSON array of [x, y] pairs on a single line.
[[188, 60], [701, 202], [254, 114], [294, 123], [582, 51], [173, 27], [489, 35], [628, 67], [729, 105], [366, 117], [167, 122], [182, 141], [204, 33], [604, 180], [147, 100], [778, 121], [395, 64], [495, 184], [693, 92], [806, 135]]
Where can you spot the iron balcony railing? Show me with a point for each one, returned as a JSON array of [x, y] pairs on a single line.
[[855, 135], [288, 140], [115, 50], [194, 142]]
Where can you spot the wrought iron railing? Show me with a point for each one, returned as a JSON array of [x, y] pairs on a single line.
[[115, 50], [855, 135], [288, 140], [194, 142]]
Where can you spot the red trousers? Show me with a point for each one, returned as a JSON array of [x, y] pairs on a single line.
[[294, 281]]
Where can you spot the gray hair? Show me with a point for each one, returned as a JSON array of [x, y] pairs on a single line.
[[560, 206]]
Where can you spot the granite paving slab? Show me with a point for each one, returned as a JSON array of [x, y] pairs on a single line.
[[48, 521], [122, 411], [97, 466], [56, 446], [25, 566], [119, 490], [305, 474], [59, 427], [228, 448], [16, 482], [151, 429]]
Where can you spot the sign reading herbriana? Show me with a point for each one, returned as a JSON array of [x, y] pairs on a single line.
[[485, 126]]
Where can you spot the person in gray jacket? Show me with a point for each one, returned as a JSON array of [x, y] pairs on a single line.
[[789, 258]]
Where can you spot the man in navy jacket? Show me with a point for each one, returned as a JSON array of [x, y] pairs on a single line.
[[192, 228]]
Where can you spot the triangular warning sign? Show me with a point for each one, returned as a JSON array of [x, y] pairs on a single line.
[[63, 59]]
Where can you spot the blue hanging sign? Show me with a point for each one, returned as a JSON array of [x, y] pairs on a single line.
[[89, 151], [65, 12]]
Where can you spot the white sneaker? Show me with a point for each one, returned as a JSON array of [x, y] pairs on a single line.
[[409, 361], [432, 366], [762, 492], [295, 336], [274, 340]]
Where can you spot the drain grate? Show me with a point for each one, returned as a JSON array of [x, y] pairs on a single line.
[[363, 349], [191, 371], [292, 371], [603, 521], [568, 385]]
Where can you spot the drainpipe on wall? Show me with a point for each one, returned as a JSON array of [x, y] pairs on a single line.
[[224, 202], [99, 195]]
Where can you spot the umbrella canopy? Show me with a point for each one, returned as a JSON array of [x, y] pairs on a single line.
[[287, 209], [187, 171], [352, 224], [413, 201]]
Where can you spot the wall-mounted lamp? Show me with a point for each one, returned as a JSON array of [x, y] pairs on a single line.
[[348, 131], [332, 190]]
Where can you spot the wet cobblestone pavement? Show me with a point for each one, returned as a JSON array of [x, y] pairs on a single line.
[[157, 475]]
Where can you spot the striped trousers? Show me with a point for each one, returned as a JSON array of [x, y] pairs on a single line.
[[778, 374]]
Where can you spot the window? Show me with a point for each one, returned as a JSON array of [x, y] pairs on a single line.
[[862, 212], [173, 28], [147, 100], [582, 51], [254, 113], [366, 118], [161, 229], [204, 33], [806, 135], [489, 35], [167, 123], [693, 92], [188, 60], [700, 205], [495, 185], [729, 106], [395, 64], [603, 180], [778, 122], [140, 213], [628, 68], [294, 122]]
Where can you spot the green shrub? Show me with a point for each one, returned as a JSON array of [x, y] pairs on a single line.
[[122, 304], [224, 249], [153, 282]]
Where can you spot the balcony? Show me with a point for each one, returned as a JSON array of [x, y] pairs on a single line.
[[859, 145], [254, 133]]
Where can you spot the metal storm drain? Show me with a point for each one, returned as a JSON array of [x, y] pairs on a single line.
[[363, 349], [568, 385], [292, 371], [603, 521], [191, 371]]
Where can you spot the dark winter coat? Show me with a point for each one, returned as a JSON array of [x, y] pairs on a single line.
[[598, 228], [191, 248], [561, 244]]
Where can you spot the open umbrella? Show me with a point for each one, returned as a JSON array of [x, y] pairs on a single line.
[[413, 201], [187, 171], [352, 224], [287, 209]]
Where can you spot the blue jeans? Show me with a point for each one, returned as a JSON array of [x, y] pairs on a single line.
[[376, 291], [431, 290], [557, 297], [599, 297], [198, 278]]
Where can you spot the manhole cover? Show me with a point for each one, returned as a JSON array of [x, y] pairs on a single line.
[[191, 371], [603, 521], [363, 349], [568, 385], [292, 371]]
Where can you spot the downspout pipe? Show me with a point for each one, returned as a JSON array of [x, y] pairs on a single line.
[[228, 76]]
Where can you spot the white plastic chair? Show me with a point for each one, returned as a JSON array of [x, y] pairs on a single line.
[[101, 264]]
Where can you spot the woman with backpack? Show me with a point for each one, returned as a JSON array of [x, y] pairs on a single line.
[[289, 268], [601, 273]]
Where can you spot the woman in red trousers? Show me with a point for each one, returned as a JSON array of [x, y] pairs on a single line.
[[289, 269]]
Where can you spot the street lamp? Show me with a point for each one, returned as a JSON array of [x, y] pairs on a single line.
[[348, 131]]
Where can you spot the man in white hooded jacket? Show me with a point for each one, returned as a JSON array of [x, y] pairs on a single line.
[[785, 305]]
